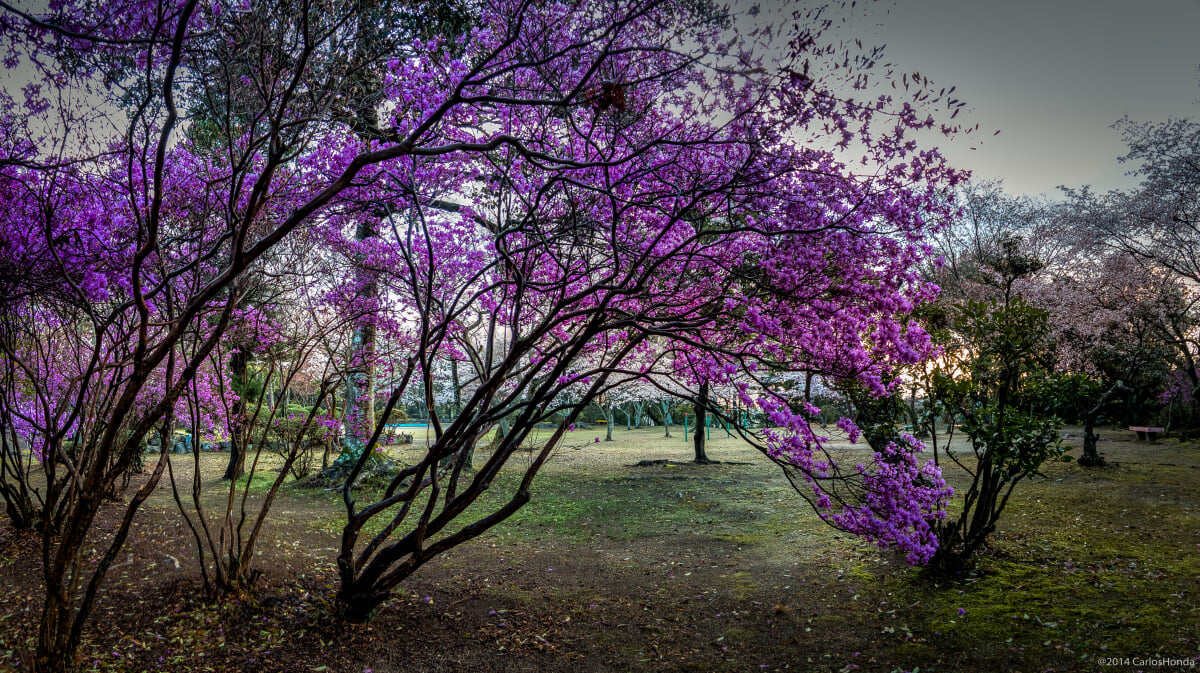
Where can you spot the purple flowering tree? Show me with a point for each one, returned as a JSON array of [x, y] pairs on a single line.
[[638, 204], [555, 191]]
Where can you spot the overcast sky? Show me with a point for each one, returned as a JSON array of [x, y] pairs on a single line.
[[1051, 75]]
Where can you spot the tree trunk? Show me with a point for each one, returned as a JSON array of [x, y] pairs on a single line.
[[608, 422], [666, 418], [1091, 456], [23, 512], [469, 460], [501, 433], [237, 430], [52, 653], [328, 442], [457, 388], [70, 595], [701, 408], [359, 417]]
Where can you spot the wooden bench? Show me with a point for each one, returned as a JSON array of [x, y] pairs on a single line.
[[1147, 433]]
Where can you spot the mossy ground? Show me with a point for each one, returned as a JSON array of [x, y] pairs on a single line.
[[613, 567]]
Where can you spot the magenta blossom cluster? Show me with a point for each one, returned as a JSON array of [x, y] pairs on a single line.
[[900, 500]]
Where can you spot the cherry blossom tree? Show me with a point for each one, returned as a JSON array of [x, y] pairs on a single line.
[[634, 397], [1160, 221], [1156, 227], [1021, 313]]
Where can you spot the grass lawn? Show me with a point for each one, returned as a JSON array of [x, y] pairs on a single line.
[[613, 567]]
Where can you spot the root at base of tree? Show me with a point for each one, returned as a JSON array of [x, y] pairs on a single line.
[[651, 463]]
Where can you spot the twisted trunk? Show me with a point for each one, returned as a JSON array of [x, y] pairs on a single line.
[[1091, 456]]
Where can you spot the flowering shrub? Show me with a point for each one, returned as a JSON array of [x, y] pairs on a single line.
[[547, 193]]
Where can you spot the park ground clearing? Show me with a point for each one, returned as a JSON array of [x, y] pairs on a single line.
[[674, 567]]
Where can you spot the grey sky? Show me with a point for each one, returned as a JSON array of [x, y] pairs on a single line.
[[1052, 75]]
